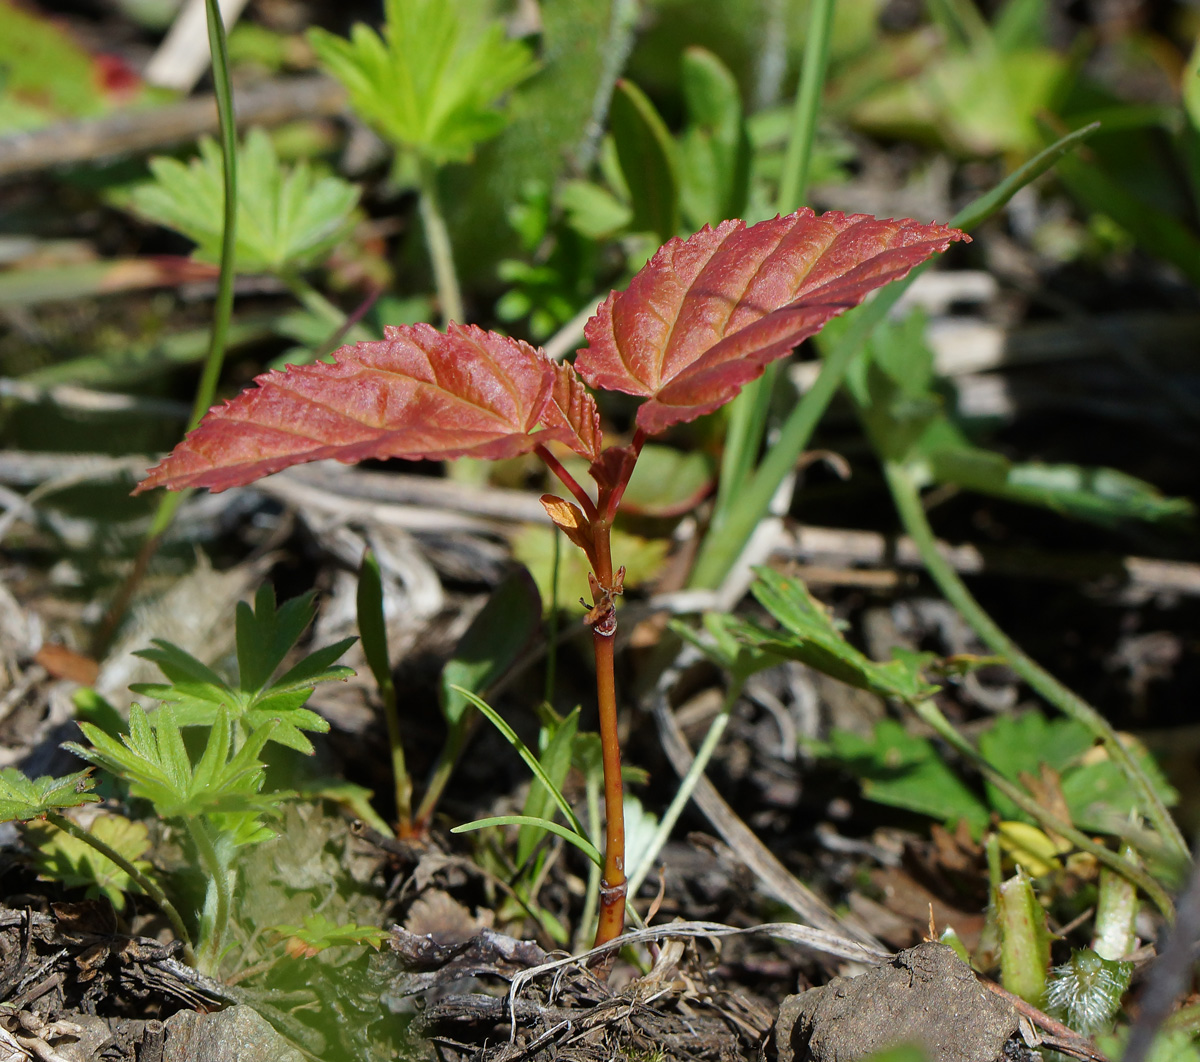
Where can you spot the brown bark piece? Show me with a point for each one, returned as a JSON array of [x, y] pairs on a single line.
[[925, 996]]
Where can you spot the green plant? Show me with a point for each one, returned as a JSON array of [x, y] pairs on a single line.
[[217, 797], [432, 86], [908, 772]]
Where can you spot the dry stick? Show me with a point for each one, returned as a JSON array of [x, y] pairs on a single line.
[[136, 131], [1061, 1038], [816, 939], [774, 876]]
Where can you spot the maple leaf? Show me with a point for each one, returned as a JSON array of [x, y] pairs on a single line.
[[417, 393], [706, 315]]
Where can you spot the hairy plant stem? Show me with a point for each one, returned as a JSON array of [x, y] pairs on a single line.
[[931, 714], [148, 886], [211, 943], [613, 882], [437, 239], [907, 500]]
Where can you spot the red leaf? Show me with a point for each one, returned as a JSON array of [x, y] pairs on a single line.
[[705, 315], [415, 394], [572, 409]]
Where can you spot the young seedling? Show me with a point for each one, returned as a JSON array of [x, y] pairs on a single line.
[[703, 318]]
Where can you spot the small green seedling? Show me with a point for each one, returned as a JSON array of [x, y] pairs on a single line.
[[217, 797]]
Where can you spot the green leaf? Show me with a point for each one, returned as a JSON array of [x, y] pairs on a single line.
[[1022, 743], [265, 634], [906, 419], [23, 798], [153, 761], [591, 210], [531, 761], [503, 629], [577, 839], [719, 641], [714, 151], [372, 627], [434, 80], [178, 665], [318, 933], [91, 706], [66, 859], [647, 156], [287, 219], [667, 482], [904, 771], [557, 741], [811, 636]]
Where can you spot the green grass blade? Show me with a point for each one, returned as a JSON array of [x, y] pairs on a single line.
[[527, 755], [579, 841], [223, 307], [793, 186], [748, 413]]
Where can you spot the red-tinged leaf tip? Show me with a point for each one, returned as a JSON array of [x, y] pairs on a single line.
[[706, 315], [417, 393]]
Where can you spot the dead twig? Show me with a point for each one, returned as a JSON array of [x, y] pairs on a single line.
[[133, 132]]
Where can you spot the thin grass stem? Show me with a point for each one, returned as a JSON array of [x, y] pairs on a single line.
[[912, 514], [206, 390], [686, 787], [437, 239]]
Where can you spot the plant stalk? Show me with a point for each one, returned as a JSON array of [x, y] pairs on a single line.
[[912, 514], [613, 882], [437, 239], [442, 770], [211, 944], [147, 885]]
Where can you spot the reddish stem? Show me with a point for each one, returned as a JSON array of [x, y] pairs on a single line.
[[618, 492], [612, 884], [568, 480]]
